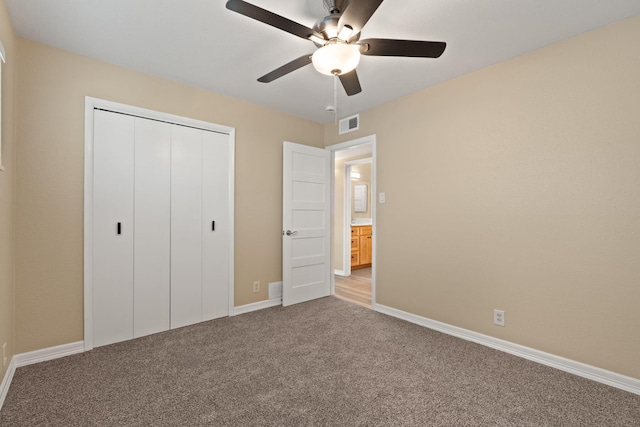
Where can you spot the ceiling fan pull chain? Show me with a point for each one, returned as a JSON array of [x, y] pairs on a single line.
[[335, 98]]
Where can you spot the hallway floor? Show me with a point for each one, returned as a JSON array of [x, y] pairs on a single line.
[[355, 288]]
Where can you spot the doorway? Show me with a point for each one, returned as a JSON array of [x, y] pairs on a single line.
[[353, 234]]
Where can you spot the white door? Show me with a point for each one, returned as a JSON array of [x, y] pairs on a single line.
[[216, 252], [113, 168], [200, 225], [152, 225], [131, 227], [305, 223], [186, 226]]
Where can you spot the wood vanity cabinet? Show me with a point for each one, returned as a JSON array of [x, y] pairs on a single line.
[[360, 246], [355, 250]]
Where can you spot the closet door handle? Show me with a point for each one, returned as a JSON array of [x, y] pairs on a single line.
[[119, 228], [213, 226]]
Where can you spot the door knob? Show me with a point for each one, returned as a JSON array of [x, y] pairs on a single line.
[[291, 233]]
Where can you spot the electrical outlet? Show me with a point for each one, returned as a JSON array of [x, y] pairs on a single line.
[[4, 355], [256, 287], [498, 317]]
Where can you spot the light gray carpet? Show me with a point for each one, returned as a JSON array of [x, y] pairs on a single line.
[[322, 363]]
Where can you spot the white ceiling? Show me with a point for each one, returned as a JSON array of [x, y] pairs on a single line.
[[201, 43]]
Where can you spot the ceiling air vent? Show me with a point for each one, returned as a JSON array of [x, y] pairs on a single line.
[[349, 124]]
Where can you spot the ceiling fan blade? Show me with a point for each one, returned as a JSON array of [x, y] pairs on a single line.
[[357, 13], [270, 18], [350, 82], [391, 47], [286, 69]]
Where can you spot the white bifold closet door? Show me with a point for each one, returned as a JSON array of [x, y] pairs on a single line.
[[113, 165], [161, 226], [186, 226], [199, 235], [152, 227]]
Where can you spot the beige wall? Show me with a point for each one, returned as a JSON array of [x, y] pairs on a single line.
[[52, 85], [529, 199], [7, 329]]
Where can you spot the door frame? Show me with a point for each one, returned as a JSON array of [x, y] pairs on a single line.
[[333, 148], [95, 103]]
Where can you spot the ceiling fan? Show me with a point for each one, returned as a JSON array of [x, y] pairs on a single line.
[[337, 37]]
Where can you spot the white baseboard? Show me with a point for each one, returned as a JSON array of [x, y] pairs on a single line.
[[247, 308], [603, 376], [339, 273], [36, 356], [50, 353], [6, 381]]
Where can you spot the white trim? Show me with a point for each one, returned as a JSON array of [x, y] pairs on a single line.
[[346, 220], [352, 143], [3, 53], [339, 273], [580, 369], [232, 184], [6, 381], [332, 222], [248, 308], [93, 103], [362, 161], [50, 353], [89, 106]]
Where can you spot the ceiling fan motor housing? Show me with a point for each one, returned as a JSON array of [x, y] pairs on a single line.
[[328, 27]]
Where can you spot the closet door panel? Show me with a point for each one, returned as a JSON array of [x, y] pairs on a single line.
[[152, 241], [186, 226], [215, 206], [113, 163]]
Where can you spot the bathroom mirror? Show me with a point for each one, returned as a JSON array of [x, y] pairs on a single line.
[[360, 197]]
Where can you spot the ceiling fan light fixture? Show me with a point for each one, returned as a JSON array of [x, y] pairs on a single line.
[[336, 58], [318, 40], [345, 33]]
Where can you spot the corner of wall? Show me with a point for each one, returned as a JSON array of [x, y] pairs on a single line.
[[7, 194]]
